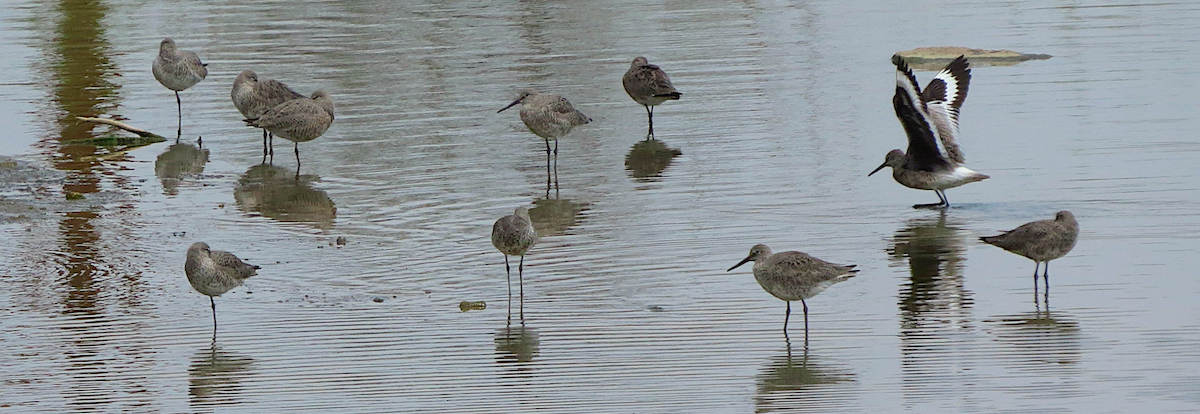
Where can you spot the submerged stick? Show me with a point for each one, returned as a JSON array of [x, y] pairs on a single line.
[[141, 132]]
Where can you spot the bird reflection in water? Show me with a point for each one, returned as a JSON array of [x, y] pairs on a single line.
[[935, 251], [1037, 342], [275, 193], [934, 306], [179, 161], [801, 383], [648, 158], [215, 376], [552, 216], [516, 343]]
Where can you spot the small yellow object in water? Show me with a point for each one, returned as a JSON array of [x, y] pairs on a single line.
[[466, 306]]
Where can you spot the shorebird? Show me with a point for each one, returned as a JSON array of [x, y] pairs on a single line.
[[253, 97], [929, 117], [794, 276], [648, 85], [177, 70], [514, 235], [298, 120], [214, 272], [549, 117], [1040, 241]]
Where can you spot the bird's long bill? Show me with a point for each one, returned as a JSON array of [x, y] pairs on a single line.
[[877, 169], [509, 105], [747, 259]]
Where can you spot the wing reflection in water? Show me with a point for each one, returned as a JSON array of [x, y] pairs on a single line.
[[648, 158], [935, 309], [277, 193], [179, 161], [803, 384], [215, 376]]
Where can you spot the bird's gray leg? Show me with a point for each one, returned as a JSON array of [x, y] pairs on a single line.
[[521, 283], [650, 115], [1036, 264], [264, 144], [214, 308], [179, 107], [942, 202], [547, 166], [297, 160], [786, 316], [556, 164], [508, 274], [1046, 280], [802, 303]]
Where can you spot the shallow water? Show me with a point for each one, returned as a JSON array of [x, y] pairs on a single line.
[[627, 307]]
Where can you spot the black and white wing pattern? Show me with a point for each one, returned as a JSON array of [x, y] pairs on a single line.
[[943, 97], [923, 153]]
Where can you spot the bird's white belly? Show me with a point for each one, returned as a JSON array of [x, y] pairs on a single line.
[[959, 176]]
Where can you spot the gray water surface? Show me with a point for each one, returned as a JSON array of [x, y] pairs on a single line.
[[627, 305]]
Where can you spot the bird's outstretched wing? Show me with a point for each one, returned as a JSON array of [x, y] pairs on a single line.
[[923, 153], [943, 97]]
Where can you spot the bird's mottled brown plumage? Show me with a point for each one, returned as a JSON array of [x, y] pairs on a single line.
[[253, 97], [298, 120], [548, 116], [177, 69], [214, 272], [1042, 240], [514, 234], [794, 275], [647, 84]]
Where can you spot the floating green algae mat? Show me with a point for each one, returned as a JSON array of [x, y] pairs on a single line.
[[933, 58]]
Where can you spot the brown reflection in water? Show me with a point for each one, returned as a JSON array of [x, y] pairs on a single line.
[[82, 86], [552, 216], [935, 251], [277, 193], [99, 282], [80, 69], [801, 384], [648, 158], [177, 162], [516, 345], [1038, 341], [934, 306], [215, 376], [535, 16], [79, 245]]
